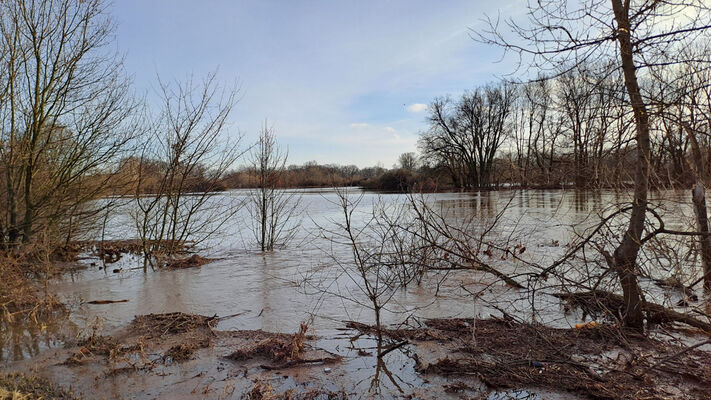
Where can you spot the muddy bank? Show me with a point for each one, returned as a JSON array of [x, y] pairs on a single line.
[[596, 361], [184, 356], [178, 355]]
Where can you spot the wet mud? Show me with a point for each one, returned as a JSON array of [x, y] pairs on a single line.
[[184, 356]]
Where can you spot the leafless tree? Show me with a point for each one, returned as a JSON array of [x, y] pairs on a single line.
[[465, 135], [534, 132], [274, 210], [684, 100], [408, 161], [634, 36], [381, 255], [189, 140], [65, 114]]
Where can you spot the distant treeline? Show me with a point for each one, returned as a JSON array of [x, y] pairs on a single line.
[[308, 175]]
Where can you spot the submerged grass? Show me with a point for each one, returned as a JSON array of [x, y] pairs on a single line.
[[22, 295]]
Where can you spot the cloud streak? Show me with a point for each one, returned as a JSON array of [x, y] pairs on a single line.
[[417, 108]]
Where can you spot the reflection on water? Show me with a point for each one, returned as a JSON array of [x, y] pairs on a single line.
[[269, 290], [27, 337]]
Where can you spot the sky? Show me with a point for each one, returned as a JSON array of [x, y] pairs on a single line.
[[344, 82]]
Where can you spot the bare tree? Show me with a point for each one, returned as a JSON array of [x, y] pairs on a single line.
[[634, 36], [273, 209], [189, 140], [465, 136], [533, 134], [685, 100], [408, 161], [65, 114]]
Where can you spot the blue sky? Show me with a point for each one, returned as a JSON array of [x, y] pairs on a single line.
[[341, 82]]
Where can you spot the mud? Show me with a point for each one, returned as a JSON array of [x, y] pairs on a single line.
[[599, 361], [183, 356], [160, 355]]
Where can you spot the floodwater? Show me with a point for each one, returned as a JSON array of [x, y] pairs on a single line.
[[276, 291]]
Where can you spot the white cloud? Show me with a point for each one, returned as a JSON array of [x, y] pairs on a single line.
[[390, 129], [359, 125], [416, 108]]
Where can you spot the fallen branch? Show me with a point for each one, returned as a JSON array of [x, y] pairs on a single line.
[[107, 301], [675, 355], [655, 312], [393, 347]]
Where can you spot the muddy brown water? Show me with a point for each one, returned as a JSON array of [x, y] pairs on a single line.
[[277, 291]]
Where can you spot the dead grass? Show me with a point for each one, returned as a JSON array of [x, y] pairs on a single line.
[[184, 351], [189, 262], [23, 387], [158, 325], [174, 335], [276, 347], [22, 295], [263, 390], [96, 345]]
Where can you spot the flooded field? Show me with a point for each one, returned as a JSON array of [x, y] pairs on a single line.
[[277, 291]]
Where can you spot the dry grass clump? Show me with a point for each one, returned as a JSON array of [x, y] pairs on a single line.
[[22, 295], [263, 390], [189, 262], [176, 335], [278, 348], [158, 325], [184, 351], [97, 345], [23, 387]]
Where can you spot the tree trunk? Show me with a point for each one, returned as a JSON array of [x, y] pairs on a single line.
[[697, 195], [699, 199], [28, 219], [625, 256]]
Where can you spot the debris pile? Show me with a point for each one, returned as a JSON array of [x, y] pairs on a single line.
[[275, 347], [600, 361]]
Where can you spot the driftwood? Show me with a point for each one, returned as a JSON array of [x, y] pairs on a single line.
[[612, 302], [107, 301]]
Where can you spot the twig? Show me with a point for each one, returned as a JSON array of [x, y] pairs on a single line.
[[677, 354], [394, 347]]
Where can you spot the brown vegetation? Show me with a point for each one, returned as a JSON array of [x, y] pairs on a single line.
[[190, 262], [284, 350], [23, 387], [601, 362], [175, 336], [22, 296], [263, 390]]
